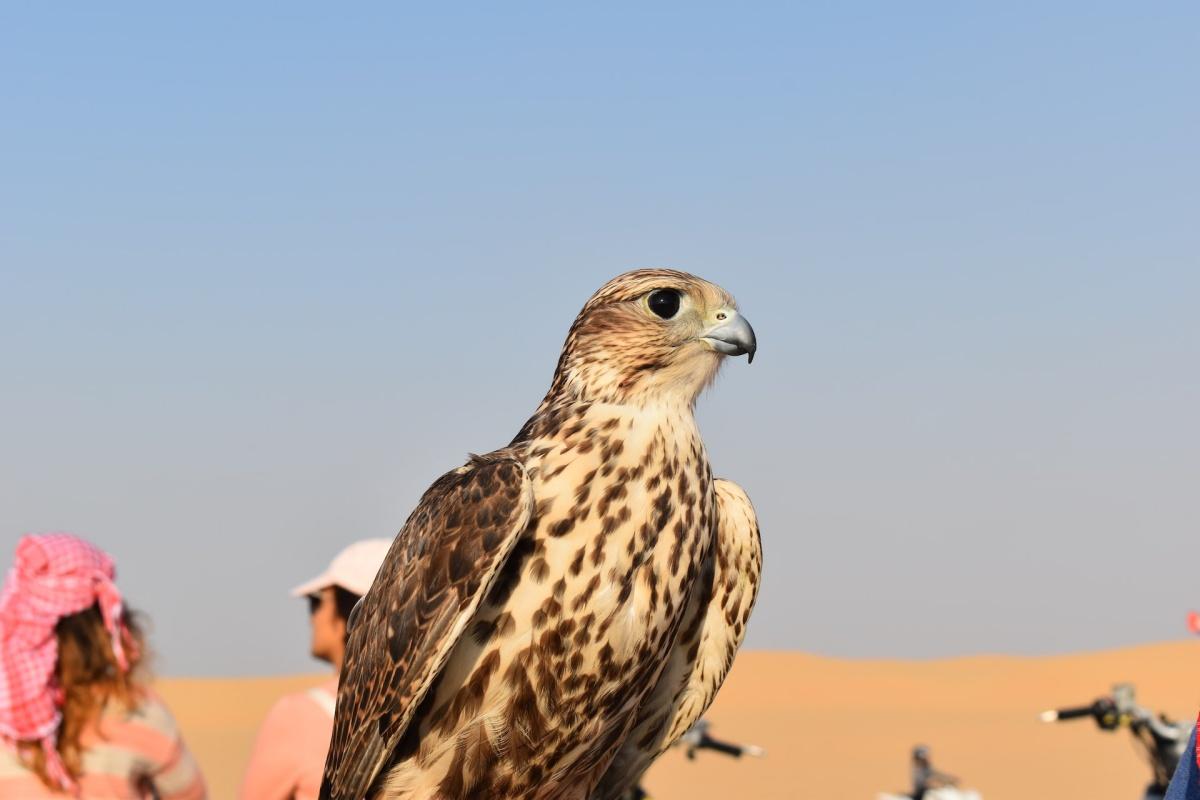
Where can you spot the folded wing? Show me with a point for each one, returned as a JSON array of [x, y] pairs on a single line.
[[403, 630]]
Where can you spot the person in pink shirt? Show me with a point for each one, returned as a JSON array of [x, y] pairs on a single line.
[[76, 716], [289, 752]]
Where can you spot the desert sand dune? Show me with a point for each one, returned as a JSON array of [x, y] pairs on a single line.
[[838, 728]]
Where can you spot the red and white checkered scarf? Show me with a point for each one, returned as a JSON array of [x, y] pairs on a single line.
[[54, 575]]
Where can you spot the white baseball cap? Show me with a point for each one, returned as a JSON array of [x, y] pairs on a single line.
[[353, 569]]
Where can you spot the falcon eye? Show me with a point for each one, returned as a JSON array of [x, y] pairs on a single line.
[[664, 302]]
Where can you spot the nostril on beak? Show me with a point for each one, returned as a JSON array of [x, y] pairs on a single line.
[[722, 316]]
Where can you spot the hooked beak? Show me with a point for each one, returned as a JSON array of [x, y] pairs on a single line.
[[732, 336]]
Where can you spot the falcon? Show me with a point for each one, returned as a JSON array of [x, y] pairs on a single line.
[[554, 614]]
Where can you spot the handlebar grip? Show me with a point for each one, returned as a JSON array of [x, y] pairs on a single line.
[[709, 743], [1075, 713]]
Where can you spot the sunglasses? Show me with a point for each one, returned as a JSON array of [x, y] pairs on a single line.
[[314, 603]]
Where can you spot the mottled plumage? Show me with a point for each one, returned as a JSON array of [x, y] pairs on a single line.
[[555, 613]]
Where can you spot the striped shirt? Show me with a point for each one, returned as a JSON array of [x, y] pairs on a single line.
[[124, 754]]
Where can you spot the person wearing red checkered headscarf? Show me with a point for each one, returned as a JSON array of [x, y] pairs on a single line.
[[74, 718]]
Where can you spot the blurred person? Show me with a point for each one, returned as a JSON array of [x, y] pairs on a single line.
[[289, 752], [924, 776], [76, 716], [1186, 783]]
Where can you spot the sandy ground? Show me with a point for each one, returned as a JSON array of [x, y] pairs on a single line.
[[841, 729]]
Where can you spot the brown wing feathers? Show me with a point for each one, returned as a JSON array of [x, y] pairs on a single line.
[[437, 571]]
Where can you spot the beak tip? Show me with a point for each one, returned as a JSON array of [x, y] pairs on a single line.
[[733, 337]]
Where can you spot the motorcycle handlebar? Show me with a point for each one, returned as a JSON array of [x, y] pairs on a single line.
[[1074, 713], [708, 743]]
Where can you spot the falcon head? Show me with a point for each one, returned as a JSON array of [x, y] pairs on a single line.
[[651, 335]]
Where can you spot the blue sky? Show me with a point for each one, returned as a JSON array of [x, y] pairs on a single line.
[[265, 273]]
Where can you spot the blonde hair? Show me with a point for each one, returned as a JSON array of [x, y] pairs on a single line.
[[89, 677]]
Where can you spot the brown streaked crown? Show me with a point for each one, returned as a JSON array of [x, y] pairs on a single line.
[[619, 350]]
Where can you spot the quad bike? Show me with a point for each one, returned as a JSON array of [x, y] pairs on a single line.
[[1161, 740], [694, 740]]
